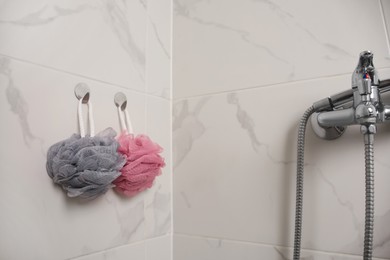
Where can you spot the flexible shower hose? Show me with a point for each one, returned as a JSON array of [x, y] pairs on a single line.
[[299, 192], [369, 165], [369, 222]]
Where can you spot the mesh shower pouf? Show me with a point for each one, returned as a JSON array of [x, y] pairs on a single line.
[[143, 163], [143, 160], [85, 166]]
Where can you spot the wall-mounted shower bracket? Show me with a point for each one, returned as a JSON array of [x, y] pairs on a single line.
[[327, 133]]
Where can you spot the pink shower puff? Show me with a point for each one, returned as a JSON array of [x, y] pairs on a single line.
[[143, 163]]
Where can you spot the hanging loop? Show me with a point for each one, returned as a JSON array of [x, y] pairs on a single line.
[[82, 93], [120, 101]]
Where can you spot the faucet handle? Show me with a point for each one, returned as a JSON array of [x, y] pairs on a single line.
[[365, 74], [364, 85], [365, 61]]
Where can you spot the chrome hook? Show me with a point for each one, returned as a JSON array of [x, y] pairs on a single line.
[[82, 92], [120, 100]]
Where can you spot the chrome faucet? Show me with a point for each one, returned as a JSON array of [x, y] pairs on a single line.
[[360, 105]]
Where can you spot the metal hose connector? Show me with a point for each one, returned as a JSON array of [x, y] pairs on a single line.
[[369, 221], [299, 188], [384, 83]]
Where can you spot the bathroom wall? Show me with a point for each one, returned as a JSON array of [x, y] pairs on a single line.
[[243, 74], [46, 48]]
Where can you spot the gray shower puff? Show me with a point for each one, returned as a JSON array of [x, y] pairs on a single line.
[[85, 166]]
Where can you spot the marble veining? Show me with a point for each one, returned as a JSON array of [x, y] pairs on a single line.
[[282, 255], [185, 11], [288, 18], [130, 221], [286, 254], [47, 14], [381, 236], [264, 42], [331, 51], [344, 203], [160, 205], [114, 13], [136, 251], [185, 198], [156, 31], [144, 3], [158, 37], [385, 5], [248, 124], [207, 248], [215, 243], [187, 128], [120, 25], [18, 105]]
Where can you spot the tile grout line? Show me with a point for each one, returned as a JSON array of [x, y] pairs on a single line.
[[146, 100], [387, 30], [147, 19], [265, 86], [171, 26], [170, 125], [237, 241], [267, 245], [82, 76], [117, 247], [146, 104], [179, 98]]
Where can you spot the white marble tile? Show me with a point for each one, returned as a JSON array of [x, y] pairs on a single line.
[[153, 249], [158, 55], [386, 13], [158, 198], [234, 157], [159, 248], [37, 109], [104, 40], [227, 45], [195, 248], [133, 252]]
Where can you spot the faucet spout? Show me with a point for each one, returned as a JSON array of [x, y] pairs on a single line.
[[343, 117]]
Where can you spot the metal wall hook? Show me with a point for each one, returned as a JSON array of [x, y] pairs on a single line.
[[82, 92], [120, 100]]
